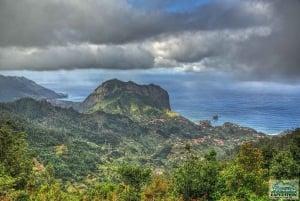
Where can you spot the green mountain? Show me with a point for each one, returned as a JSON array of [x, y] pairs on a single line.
[[109, 132], [138, 102], [12, 88]]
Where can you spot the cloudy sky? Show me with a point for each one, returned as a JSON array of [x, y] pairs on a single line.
[[250, 39]]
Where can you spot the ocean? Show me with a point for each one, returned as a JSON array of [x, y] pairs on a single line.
[[268, 107]]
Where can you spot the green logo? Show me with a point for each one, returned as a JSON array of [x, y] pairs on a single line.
[[285, 189]]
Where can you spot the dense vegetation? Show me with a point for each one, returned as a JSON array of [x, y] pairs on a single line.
[[82, 147], [244, 177], [128, 145]]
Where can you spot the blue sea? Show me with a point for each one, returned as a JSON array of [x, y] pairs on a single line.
[[269, 107]]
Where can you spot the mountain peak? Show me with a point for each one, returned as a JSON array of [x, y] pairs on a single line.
[[116, 96], [13, 87]]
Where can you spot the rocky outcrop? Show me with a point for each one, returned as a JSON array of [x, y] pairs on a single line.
[[115, 96], [13, 87]]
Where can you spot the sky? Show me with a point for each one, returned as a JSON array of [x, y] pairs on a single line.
[[248, 39]]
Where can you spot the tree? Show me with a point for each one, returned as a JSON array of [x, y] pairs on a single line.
[[6, 181], [295, 145], [244, 178], [282, 155], [284, 166], [157, 189], [53, 192], [102, 191], [268, 152], [196, 178], [14, 155], [133, 177]]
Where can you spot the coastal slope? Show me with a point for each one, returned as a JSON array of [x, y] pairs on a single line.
[[13, 87], [108, 132]]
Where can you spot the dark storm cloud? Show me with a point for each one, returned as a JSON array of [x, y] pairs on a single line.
[[270, 51], [256, 39], [44, 22], [278, 54]]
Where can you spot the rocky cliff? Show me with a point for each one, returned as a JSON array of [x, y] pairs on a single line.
[[127, 98]]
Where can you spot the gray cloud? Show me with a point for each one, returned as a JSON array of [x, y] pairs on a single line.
[[210, 45], [277, 55], [42, 23], [267, 52], [79, 56], [253, 39]]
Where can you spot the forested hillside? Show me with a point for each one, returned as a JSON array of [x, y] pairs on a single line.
[[124, 143], [78, 144], [245, 177]]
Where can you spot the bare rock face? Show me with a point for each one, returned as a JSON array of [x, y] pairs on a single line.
[[115, 96]]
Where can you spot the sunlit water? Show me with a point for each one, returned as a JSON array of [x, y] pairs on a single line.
[[264, 106]]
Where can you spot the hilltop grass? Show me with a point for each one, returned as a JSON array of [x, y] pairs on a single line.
[[171, 114], [135, 107]]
